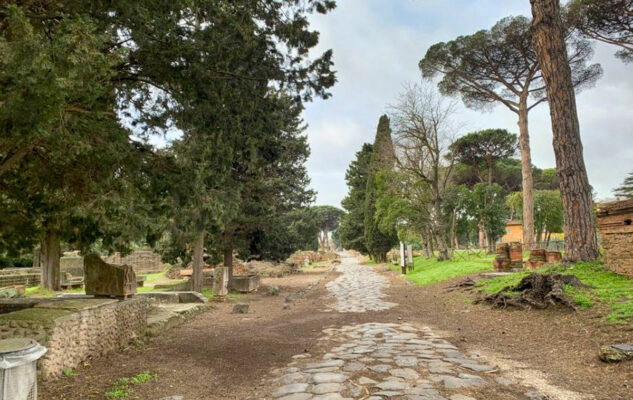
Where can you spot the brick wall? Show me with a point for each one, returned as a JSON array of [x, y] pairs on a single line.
[[618, 253]]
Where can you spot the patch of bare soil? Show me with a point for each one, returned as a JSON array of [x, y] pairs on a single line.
[[556, 346]]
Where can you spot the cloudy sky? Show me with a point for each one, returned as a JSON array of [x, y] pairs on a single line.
[[377, 45]]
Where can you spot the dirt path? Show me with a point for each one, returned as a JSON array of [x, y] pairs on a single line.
[[331, 344]]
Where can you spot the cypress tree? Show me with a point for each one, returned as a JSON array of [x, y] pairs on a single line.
[[352, 229], [378, 241]]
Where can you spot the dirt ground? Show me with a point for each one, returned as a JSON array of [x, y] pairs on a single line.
[[220, 355]]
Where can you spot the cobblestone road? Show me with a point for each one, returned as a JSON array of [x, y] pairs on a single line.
[[375, 361], [358, 289]]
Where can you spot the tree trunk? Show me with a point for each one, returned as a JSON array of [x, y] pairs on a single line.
[[443, 242], [228, 262], [428, 251], [482, 236], [526, 174], [492, 246], [198, 263], [549, 42], [49, 261]]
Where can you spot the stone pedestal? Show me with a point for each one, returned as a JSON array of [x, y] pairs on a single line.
[[220, 284]]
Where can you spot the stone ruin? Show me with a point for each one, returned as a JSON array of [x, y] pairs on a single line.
[[509, 257], [615, 221], [108, 280]]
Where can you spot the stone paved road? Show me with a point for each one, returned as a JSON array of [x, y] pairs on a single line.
[[375, 361], [358, 289]]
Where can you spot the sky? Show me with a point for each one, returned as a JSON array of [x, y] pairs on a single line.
[[377, 45]]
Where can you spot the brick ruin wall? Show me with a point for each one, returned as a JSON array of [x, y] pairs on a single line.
[[615, 220], [141, 260], [618, 253], [75, 336]]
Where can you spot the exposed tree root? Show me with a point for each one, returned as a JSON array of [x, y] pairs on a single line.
[[536, 291], [467, 284]]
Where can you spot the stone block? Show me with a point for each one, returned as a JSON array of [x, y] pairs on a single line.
[[241, 308], [103, 279], [245, 283]]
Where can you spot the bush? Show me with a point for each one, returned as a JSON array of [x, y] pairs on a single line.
[[16, 262]]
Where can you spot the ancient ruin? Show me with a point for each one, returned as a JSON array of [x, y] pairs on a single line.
[[108, 280], [615, 220]]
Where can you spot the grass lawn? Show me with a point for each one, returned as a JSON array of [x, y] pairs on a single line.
[[614, 291], [427, 271], [155, 278]]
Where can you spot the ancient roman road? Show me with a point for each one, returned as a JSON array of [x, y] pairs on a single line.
[[358, 289], [374, 361]]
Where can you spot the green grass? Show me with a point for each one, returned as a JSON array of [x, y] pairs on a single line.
[[155, 277], [68, 373], [370, 262], [122, 387], [427, 271], [614, 291]]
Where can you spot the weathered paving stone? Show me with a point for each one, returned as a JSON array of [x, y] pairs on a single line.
[[297, 396], [296, 377], [392, 385], [330, 396], [290, 389], [328, 377], [380, 367], [461, 397], [354, 366], [405, 373], [324, 388], [406, 361], [363, 380]]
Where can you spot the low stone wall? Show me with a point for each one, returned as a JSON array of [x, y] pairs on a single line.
[[77, 329], [19, 276]]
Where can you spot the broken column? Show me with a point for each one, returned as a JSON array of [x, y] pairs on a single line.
[[220, 284], [615, 220]]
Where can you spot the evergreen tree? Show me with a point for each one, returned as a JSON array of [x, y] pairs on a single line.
[[378, 241], [608, 21], [499, 66], [626, 189], [328, 218], [352, 227]]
